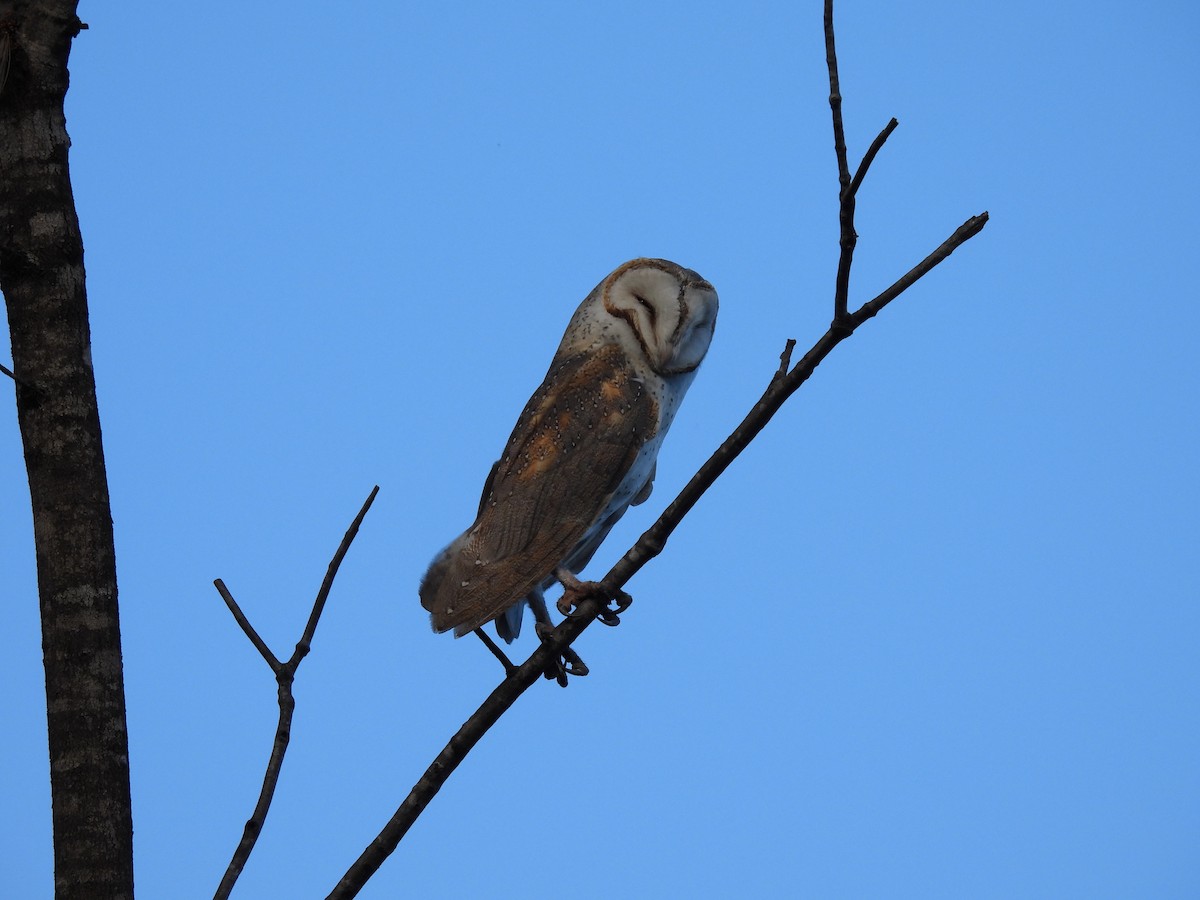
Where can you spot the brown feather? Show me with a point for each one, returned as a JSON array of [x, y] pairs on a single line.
[[578, 436]]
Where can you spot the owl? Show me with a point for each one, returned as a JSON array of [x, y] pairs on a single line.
[[583, 450]]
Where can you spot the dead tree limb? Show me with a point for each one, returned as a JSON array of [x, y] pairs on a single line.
[[590, 600], [43, 279], [285, 675]]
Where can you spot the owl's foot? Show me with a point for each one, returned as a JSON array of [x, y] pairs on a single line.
[[566, 663], [574, 591]]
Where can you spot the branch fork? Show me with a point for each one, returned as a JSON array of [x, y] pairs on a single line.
[[285, 675]]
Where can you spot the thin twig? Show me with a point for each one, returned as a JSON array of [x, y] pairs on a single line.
[[846, 234], [835, 100], [285, 675], [13, 375], [869, 156], [785, 358], [496, 651], [588, 607], [305, 643], [489, 712], [240, 617], [254, 825], [962, 234], [22, 384]]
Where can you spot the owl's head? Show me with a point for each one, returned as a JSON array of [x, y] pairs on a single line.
[[670, 311]]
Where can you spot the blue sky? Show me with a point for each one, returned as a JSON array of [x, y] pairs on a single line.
[[933, 635]]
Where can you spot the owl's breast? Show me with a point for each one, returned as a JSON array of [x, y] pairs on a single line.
[[663, 395], [667, 394]]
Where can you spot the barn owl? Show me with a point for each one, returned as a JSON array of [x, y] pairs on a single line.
[[583, 450]]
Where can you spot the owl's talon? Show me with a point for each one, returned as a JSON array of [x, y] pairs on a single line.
[[574, 589], [575, 665], [556, 671], [620, 601], [565, 663], [615, 605]]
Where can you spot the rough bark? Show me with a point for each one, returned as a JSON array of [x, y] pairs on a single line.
[[42, 277]]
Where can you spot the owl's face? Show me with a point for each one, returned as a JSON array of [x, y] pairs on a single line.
[[668, 311]]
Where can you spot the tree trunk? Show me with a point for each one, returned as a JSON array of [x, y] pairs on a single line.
[[42, 277]]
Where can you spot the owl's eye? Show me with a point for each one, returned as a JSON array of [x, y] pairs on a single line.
[[648, 306]]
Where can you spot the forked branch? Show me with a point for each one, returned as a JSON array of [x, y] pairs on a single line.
[[590, 600], [285, 674]]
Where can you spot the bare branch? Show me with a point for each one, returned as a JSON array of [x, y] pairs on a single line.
[[785, 358], [314, 617], [649, 545], [509, 668], [869, 156], [835, 100], [489, 712], [254, 825], [588, 600], [285, 675], [848, 237], [240, 617], [962, 234]]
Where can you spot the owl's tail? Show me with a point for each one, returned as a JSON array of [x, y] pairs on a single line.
[[508, 623]]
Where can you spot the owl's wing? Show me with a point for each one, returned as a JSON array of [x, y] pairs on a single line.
[[573, 445], [487, 487]]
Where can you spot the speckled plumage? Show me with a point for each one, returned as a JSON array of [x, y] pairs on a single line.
[[583, 449]]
